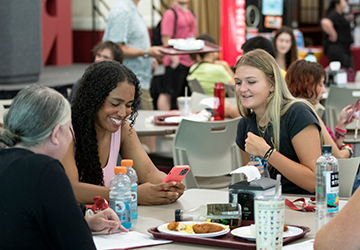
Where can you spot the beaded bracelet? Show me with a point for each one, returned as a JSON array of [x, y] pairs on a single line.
[[268, 153]]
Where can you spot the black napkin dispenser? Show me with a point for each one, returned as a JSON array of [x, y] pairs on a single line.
[[244, 192]]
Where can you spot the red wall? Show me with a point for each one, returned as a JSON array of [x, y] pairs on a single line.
[[56, 32]]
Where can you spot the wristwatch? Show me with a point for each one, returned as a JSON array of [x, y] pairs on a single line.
[[146, 54]]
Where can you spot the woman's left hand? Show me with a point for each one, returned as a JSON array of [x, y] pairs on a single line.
[[255, 145], [160, 194]]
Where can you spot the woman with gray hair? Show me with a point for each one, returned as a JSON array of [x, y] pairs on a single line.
[[37, 201]]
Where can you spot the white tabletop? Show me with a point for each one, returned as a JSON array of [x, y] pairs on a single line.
[[145, 128], [152, 216]]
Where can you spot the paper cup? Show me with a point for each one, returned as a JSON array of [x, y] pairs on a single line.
[[269, 222]]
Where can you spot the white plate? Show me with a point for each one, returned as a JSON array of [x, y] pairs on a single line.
[[244, 232], [163, 229], [187, 44], [177, 119]]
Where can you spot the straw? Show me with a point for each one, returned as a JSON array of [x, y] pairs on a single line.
[[186, 92], [277, 187]]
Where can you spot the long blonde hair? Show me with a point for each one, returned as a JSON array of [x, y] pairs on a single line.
[[278, 101]]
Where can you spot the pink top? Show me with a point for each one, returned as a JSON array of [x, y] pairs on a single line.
[[186, 28], [108, 170]]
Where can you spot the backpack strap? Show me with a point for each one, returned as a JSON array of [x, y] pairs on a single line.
[[175, 22]]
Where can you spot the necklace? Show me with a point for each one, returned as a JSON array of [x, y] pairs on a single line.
[[261, 130]]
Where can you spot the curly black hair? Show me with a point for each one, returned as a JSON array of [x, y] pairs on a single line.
[[97, 82]]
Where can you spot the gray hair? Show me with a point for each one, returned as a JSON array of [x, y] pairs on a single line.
[[33, 114]]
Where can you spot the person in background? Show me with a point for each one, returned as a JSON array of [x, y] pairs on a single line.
[[103, 51], [279, 128], [103, 112], [286, 51], [37, 201], [338, 34], [341, 232], [127, 28], [307, 80], [177, 66], [209, 70], [260, 42]]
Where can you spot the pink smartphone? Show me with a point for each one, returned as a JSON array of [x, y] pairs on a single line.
[[177, 173], [356, 108]]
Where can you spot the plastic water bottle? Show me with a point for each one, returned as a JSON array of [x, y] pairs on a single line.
[[120, 195], [219, 105], [327, 187], [134, 186]]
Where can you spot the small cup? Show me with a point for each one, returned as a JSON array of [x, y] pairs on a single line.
[[269, 222], [184, 105]]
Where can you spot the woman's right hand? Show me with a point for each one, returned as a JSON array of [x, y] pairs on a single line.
[[255, 163]]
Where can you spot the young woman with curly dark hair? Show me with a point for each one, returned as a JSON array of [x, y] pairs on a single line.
[[103, 112]]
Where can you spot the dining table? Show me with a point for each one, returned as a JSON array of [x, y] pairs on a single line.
[[153, 216], [145, 126]]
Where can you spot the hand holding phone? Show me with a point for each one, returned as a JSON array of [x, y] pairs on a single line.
[[177, 173], [356, 107]]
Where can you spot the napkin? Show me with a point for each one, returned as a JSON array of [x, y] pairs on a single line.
[[251, 172]]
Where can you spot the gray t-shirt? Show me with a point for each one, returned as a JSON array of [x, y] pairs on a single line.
[[296, 118], [126, 25]]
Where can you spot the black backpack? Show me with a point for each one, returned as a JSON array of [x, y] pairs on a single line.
[[156, 33]]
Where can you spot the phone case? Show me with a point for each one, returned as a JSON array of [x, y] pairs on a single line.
[[356, 108], [177, 173]]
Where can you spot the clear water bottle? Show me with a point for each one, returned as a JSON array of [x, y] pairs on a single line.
[[327, 187], [265, 173], [134, 186], [120, 195]]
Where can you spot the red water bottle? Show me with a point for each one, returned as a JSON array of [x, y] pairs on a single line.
[[219, 105]]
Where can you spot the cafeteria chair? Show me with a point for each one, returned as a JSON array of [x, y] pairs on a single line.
[[229, 90], [347, 172], [4, 106], [210, 150], [195, 86], [338, 98]]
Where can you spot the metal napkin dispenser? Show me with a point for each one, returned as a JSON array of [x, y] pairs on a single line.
[[244, 192]]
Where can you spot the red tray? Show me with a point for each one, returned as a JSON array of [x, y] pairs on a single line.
[[208, 47], [227, 240]]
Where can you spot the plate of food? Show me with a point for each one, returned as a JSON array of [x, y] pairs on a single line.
[[187, 44], [249, 232], [194, 229]]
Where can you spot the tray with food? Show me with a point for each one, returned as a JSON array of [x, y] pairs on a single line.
[[177, 49], [214, 234]]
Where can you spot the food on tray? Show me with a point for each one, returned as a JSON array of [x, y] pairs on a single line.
[[207, 228], [194, 228], [176, 226], [285, 228]]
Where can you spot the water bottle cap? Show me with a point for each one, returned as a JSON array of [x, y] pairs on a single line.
[[120, 170], [177, 214], [127, 163], [326, 149]]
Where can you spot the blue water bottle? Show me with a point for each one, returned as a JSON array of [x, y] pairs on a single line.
[[134, 186], [120, 195]]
